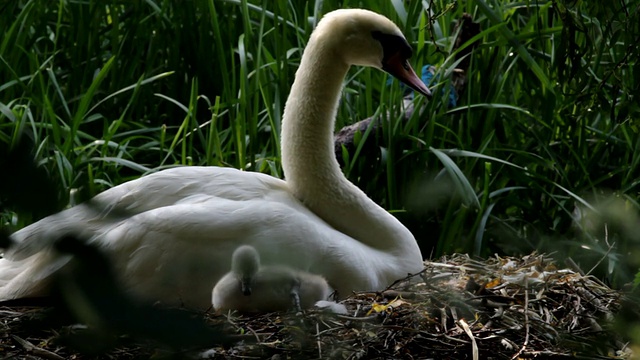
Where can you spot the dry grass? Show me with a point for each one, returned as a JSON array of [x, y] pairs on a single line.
[[457, 308]]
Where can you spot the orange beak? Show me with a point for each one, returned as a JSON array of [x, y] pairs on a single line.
[[399, 67]]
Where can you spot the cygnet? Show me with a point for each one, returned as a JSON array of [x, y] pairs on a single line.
[[250, 287]]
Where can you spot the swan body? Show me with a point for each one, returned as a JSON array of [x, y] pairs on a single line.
[[250, 287], [171, 234]]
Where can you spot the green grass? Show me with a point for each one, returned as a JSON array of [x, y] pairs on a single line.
[[107, 91]]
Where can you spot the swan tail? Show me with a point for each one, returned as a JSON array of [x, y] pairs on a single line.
[[41, 236], [30, 277]]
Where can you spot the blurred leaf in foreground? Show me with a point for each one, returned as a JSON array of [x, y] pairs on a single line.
[[89, 289]]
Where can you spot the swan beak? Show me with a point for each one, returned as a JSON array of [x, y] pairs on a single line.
[[295, 294], [246, 287], [399, 67]]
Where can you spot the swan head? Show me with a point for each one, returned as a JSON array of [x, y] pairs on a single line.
[[245, 263], [365, 38]]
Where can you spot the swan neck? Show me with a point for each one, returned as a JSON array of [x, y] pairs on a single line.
[[309, 116], [311, 170]]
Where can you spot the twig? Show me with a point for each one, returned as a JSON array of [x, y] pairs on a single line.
[[408, 277], [232, 321], [526, 325], [254, 334], [474, 345], [611, 246], [37, 351], [318, 341], [549, 353], [572, 264]]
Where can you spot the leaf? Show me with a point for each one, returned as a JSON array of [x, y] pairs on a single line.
[[460, 181], [493, 283], [522, 51]]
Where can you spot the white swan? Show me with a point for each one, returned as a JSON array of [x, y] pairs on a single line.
[[250, 287], [171, 234]]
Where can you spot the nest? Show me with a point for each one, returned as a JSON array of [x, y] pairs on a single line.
[[457, 308]]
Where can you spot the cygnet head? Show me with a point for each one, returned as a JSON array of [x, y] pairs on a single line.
[[362, 37], [245, 263]]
